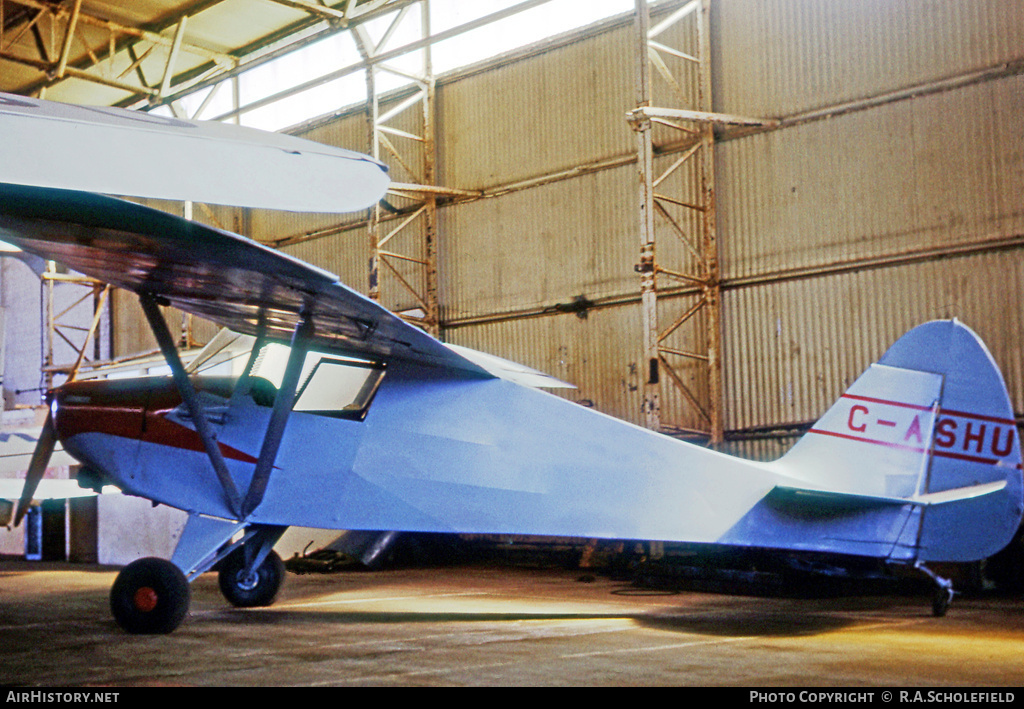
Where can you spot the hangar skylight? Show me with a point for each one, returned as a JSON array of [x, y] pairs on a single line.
[[328, 74]]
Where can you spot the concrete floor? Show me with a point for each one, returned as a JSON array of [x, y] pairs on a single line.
[[487, 625]]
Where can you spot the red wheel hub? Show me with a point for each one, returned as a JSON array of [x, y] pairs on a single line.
[[145, 599]]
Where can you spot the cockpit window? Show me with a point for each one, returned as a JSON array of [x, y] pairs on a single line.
[[225, 354], [334, 382], [330, 385]]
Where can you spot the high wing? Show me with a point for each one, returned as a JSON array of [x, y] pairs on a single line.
[[226, 278], [137, 154]]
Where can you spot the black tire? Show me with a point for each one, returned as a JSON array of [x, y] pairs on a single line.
[[941, 600], [261, 590], [150, 596]]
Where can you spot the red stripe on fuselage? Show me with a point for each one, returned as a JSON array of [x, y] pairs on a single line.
[[134, 409], [163, 432]]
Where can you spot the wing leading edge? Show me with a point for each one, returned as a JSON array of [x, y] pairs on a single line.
[[228, 279]]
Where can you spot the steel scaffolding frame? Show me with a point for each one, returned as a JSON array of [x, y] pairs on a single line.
[[60, 325], [65, 24], [409, 261], [691, 220]]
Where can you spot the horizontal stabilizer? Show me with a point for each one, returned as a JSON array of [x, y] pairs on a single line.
[[830, 501], [961, 493], [804, 500]]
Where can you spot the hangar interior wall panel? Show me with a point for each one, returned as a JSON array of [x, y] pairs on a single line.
[[939, 171], [783, 57], [21, 298], [540, 247], [550, 112], [346, 254], [594, 352]]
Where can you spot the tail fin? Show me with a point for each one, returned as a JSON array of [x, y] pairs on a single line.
[[929, 429]]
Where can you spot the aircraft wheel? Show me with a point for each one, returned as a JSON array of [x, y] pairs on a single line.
[[258, 589], [150, 596], [941, 600]]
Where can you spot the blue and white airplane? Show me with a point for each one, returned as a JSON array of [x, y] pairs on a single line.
[[346, 417]]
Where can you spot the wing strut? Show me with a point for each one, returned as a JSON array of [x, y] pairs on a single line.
[[279, 417], [188, 393]]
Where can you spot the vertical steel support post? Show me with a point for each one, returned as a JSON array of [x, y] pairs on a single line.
[[424, 286], [373, 219], [432, 319], [51, 325], [648, 283], [705, 277], [186, 318], [712, 276]]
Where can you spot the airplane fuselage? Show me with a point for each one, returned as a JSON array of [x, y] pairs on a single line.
[[415, 447], [443, 452]]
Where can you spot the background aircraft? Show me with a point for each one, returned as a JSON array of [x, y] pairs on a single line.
[[346, 417]]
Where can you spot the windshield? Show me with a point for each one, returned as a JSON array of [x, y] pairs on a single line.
[[330, 384]]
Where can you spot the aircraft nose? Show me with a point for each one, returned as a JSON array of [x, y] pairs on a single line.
[[114, 407]]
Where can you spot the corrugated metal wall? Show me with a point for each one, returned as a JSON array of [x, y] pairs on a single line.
[[836, 234], [783, 57], [557, 110], [895, 211], [933, 172]]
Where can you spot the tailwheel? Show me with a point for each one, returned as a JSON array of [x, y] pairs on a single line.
[[941, 600], [150, 596], [249, 590], [943, 594]]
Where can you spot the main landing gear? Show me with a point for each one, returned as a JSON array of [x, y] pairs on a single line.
[[251, 589], [151, 596]]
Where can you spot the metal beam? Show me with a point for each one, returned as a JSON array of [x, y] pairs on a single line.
[[651, 406], [69, 36], [422, 284], [1014, 242], [172, 56], [699, 116], [380, 57], [60, 12], [74, 19], [321, 11]]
